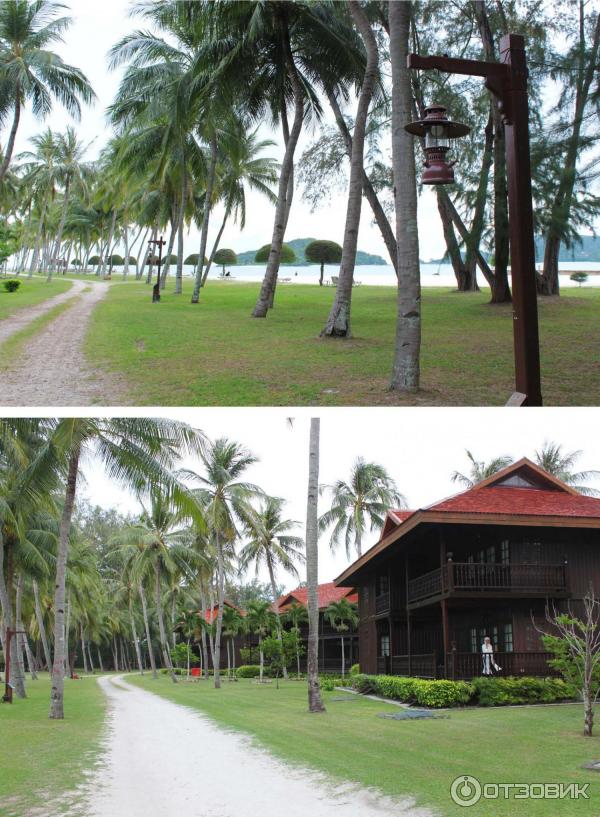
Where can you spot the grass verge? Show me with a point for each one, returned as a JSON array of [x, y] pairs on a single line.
[[31, 292], [42, 758], [420, 758], [215, 353]]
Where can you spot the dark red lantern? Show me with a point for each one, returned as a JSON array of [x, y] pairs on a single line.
[[437, 130]]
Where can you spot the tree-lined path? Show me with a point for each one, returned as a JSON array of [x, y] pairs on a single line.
[[51, 368], [184, 764]]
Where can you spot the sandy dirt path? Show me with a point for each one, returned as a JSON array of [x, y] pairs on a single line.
[[52, 369], [20, 319], [164, 760]]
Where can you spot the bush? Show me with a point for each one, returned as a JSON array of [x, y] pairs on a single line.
[[510, 691], [329, 683], [415, 690], [287, 256], [355, 669], [94, 261], [248, 671], [579, 277], [192, 260], [11, 285]]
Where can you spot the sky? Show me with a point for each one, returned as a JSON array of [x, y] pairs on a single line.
[[420, 447], [96, 27]]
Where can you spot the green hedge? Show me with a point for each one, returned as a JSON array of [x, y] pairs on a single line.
[[11, 285], [248, 671], [482, 691], [505, 691]]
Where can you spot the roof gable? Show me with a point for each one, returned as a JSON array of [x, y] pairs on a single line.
[[525, 473]]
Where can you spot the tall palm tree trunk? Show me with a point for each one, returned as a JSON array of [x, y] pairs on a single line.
[[204, 646], [405, 372], [210, 183], [166, 263], [10, 145], [215, 247], [338, 322], [278, 617], [147, 629], [315, 702], [220, 597], [22, 641], [343, 657], [83, 651], [58, 678], [161, 624], [61, 227], [104, 259], [265, 298], [89, 654], [41, 625], [138, 653], [180, 231], [38, 238], [16, 654], [99, 654]]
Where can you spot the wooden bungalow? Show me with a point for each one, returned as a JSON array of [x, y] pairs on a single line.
[[330, 651], [486, 561]]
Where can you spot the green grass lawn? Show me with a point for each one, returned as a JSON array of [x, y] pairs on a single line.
[[31, 292], [41, 759], [419, 758], [174, 353]]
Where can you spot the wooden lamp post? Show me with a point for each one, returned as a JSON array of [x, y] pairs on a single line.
[[160, 243], [507, 80]]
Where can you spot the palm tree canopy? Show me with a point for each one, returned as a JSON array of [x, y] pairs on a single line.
[[560, 463], [367, 496], [269, 542], [342, 615], [480, 470]]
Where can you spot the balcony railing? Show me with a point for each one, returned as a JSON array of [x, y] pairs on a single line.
[[486, 577], [463, 666], [382, 603]]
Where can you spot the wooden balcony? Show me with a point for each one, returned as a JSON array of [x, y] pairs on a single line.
[[382, 603], [462, 666], [486, 579]]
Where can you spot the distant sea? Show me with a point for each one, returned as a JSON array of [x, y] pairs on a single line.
[[432, 275]]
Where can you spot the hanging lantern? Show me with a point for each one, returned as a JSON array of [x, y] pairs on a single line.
[[437, 130]]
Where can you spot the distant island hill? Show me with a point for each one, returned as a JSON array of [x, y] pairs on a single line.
[[298, 245], [586, 250]]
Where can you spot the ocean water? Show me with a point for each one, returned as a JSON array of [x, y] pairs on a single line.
[[379, 275]]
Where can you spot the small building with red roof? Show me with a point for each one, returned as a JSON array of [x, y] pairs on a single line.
[[484, 562], [330, 643]]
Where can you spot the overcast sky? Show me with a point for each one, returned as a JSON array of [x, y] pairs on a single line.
[[97, 26], [420, 447]]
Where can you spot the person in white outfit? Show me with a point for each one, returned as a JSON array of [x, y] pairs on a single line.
[[487, 653]]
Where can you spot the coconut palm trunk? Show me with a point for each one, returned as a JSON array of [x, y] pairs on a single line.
[[166, 263], [138, 652], [99, 654], [41, 625], [343, 657], [35, 258], [210, 184], [142, 596], [61, 227], [58, 677], [315, 702], [220, 597], [83, 651], [180, 229], [215, 247], [265, 298], [104, 259], [277, 616], [68, 666], [22, 641], [89, 655], [338, 322], [10, 145], [162, 633], [405, 372]]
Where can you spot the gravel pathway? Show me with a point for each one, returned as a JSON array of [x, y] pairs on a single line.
[[20, 319], [163, 760], [52, 369]]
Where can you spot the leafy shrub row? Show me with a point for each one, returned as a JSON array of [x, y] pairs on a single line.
[[482, 691], [250, 671], [505, 691]]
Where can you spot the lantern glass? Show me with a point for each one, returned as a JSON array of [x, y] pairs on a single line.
[[437, 136]]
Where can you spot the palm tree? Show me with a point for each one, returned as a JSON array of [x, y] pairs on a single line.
[[261, 620], [270, 545], [560, 463], [29, 72], [338, 322], [225, 500], [315, 702], [480, 470], [405, 370], [41, 176], [342, 616], [233, 625], [189, 626], [296, 614], [368, 495], [135, 451]]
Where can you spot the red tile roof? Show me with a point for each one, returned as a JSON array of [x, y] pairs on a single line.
[[211, 615], [327, 593], [519, 502]]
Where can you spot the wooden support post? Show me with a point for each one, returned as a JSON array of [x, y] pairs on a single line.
[[445, 629]]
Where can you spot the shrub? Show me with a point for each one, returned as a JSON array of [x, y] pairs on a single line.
[[11, 285], [225, 256], [192, 260], [116, 261], [328, 683], [579, 277], [511, 691], [415, 690], [355, 669], [248, 671], [287, 256], [94, 261]]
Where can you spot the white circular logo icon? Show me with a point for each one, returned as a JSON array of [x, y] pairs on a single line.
[[466, 790]]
